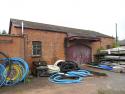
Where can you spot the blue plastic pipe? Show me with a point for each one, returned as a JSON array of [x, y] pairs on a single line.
[[3, 73], [78, 75]]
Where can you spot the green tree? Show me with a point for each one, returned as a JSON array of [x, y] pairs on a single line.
[[4, 32]]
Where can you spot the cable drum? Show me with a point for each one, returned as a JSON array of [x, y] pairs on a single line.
[[19, 71], [24, 65], [3, 74], [13, 77]]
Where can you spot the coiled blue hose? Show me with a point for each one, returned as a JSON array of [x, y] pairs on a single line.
[[24, 64], [106, 67], [82, 73], [2, 74], [77, 76], [19, 69]]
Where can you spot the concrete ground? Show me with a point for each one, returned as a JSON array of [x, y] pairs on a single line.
[[90, 85]]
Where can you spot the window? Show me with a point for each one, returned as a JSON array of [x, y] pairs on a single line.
[[108, 46], [36, 48]]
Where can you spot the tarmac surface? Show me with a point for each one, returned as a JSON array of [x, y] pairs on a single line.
[[90, 85]]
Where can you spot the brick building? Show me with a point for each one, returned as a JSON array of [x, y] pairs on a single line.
[[33, 41]]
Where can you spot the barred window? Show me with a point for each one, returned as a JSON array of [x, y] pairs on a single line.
[[36, 48]]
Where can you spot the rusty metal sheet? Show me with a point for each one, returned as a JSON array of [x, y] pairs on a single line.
[[79, 53]]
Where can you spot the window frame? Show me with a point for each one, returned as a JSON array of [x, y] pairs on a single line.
[[37, 44]]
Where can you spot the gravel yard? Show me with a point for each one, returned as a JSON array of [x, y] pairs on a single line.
[[90, 85]]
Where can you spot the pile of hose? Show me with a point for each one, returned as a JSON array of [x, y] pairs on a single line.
[[66, 66], [106, 67], [59, 62], [69, 77], [53, 69], [14, 73]]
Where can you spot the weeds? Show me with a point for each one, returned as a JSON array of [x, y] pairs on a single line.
[[111, 91]]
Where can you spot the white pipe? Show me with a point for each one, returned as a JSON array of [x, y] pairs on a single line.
[[22, 28], [53, 68], [58, 61]]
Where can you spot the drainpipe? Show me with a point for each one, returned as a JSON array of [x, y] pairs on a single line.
[[65, 47], [22, 28], [100, 43], [24, 46], [100, 48], [24, 38]]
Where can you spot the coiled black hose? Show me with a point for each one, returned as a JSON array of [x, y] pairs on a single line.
[[68, 66]]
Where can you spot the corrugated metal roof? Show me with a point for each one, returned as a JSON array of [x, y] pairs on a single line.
[[69, 31]]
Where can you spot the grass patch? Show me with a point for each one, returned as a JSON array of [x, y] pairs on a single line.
[[98, 73], [111, 91], [93, 63]]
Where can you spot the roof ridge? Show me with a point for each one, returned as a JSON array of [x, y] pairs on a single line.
[[51, 24], [38, 25]]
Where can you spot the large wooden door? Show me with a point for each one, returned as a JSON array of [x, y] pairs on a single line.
[[79, 54]]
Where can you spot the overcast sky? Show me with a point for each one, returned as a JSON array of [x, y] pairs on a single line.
[[97, 15]]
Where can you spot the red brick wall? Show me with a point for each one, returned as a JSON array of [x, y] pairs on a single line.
[[52, 44], [107, 41], [15, 31], [12, 45], [101, 44]]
